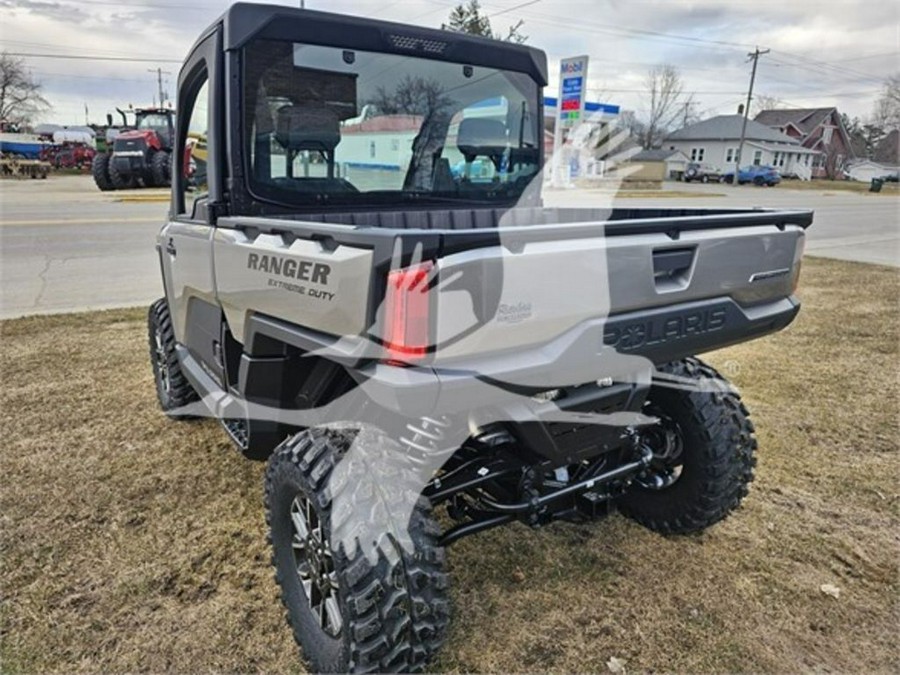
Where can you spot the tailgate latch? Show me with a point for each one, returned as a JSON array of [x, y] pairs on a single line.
[[672, 268]]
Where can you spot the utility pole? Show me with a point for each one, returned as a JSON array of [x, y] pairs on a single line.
[[159, 82], [737, 160], [689, 107]]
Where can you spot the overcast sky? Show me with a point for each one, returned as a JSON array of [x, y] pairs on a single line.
[[824, 52]]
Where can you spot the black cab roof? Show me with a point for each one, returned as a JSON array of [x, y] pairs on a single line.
[[245, 21]]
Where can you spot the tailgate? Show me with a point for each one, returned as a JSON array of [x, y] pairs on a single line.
[[528, 293], [323, 287]]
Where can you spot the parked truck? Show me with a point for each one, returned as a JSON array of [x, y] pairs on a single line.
[[427, 340]]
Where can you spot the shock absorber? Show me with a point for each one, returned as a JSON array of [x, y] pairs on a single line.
[[425, 439]]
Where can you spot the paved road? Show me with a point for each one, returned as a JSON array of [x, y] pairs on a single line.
[[847, 226], [64, 246]]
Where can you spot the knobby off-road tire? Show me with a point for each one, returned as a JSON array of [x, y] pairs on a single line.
[[717, 453], [100, 171], [159, 169], [393, 606], [119, 180], [172, 388]]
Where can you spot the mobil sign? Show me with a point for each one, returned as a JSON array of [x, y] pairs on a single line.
[[572, 87]]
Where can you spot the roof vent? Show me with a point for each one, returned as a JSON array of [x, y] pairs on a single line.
[[418, 44]]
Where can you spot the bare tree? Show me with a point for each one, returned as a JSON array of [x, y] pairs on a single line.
[[887, 108], [765, 102], [628, 120], [665, 101], [426, 99], [467, 18], [412, 96], [20, 93], [690, 111]]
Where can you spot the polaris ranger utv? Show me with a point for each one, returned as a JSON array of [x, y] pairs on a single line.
[[369, 292]]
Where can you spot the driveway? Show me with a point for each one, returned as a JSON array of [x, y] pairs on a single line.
[[65, 246]]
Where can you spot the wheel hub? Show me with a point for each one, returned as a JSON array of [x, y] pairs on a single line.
[[667, 444], [162, 363], [315, 565]]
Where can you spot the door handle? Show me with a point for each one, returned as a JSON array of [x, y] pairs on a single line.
[[170, 247]]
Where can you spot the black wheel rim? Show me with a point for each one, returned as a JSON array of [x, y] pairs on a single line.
[[162, 363], [667, 443], [315, 565]]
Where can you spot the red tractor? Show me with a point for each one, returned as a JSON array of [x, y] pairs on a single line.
[[140, 156]]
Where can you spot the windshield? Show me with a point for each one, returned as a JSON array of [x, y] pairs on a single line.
[[155, 121], [354, 127]]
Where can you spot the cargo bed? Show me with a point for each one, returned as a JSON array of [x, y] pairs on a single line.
[[516, 279]]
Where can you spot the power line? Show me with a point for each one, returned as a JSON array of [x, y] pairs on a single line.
[[825, 65], [104, 78], [94, 58], [151, 5], [593, 27], [56, 47], [821, 66], [699, 93], [826, 70], [863, 58], [809, 64], [836, 94], [513, 8]]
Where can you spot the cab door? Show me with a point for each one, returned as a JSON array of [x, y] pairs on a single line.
[[185, 242]]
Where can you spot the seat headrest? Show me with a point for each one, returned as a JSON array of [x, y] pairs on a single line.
[[479, 136], [307, 128]]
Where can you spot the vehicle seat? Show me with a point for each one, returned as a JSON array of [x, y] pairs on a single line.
[[307, 128], [481, 138], [313, 128]]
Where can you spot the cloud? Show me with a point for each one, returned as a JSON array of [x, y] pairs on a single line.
[[58, 10], [820, 51]]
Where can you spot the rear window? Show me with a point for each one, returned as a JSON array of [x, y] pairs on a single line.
[[323, 124]]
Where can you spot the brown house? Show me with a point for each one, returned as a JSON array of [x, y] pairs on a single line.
[[817, 129]]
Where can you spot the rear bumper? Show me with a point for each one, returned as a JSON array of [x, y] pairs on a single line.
[[621, 347]]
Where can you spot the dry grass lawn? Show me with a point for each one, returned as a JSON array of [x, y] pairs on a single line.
[[132, 543]]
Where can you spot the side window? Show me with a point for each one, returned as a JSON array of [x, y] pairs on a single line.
[[195, 147]]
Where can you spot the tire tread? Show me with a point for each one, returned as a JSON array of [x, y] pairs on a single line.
[[181, 393], [728, 462], [397, 610]]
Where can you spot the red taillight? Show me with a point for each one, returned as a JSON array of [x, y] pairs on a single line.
[[406, 315], [798, 262]]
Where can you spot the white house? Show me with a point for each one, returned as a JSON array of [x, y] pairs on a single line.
[[866, 170], [715, 142]]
